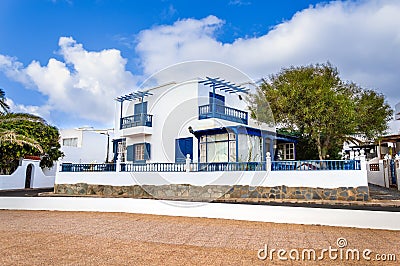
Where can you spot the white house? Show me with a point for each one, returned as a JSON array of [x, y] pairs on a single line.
[[193, 138], [206, 118], [85, 145]]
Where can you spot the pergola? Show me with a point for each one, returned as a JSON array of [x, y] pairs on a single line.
[[133, 96]]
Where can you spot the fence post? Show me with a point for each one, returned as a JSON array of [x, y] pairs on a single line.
[[268, 162], [356, 155], [363, 161], [118, 164], [59, 166], [187, 161]]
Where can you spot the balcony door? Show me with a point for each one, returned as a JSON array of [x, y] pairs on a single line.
[[139, 110], [219, 102]]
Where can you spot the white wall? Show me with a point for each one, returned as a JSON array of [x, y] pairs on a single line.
[[17, 179], [92, 146], [380, 177], [247, 212], [323, 179]]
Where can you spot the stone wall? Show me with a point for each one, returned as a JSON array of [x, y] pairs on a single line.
[[211, 192]]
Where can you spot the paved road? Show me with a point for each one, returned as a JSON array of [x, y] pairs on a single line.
[[84, 238]]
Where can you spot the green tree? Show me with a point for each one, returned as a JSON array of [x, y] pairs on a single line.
[[26, 134], [316, 103]]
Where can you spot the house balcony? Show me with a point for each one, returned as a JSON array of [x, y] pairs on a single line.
[[223, 112], [137, 120]]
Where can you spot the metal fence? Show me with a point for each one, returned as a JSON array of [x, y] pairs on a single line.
[[311, 165], [153, 167], [85, 167], [316, 165]]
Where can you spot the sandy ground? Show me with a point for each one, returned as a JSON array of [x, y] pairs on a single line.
[[84, 238]]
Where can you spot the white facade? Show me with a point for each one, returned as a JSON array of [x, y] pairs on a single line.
[[175, 114], [85, 145]]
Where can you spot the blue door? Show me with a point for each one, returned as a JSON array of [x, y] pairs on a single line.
[[219, 103], [139, 111], [183, 146]]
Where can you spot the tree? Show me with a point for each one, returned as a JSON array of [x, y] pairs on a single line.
[[3, 105], [316, 103], [26, 134]]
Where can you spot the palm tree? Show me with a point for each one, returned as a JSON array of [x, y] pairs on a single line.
[[9, 135], [3, 104]]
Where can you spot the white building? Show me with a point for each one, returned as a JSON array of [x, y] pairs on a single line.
[[86, 145], [205, 118]]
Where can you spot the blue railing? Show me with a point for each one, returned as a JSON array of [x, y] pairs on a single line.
[[137, 120], [223, 112], [220, 166], [229, 166], [153, 167], [86, 167], [316, 165]]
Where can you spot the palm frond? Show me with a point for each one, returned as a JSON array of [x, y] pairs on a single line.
[[13, 137], [10, 117]]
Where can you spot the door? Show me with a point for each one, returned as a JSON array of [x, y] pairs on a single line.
[[139, 110], [219, 103], [28, 176], [183, 146]]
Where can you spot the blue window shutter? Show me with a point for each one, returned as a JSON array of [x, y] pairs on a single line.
[[130, 153], [147, 151]]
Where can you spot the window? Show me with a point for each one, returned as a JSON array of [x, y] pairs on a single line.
[[286, 151], [122, 150], [138, 153], [70, 142], [218, 148]]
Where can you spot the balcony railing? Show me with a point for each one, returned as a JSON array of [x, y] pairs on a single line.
[[137, 120], [223, 112]]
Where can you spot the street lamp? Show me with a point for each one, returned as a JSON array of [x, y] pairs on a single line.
[[108, 144]]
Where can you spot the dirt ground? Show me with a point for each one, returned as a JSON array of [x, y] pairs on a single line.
[[87, 238]]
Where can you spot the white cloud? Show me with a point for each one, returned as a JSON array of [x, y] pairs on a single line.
[[83, 86], [361, 38], [42, 111]]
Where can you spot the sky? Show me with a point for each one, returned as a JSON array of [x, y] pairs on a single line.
[[67, 60]]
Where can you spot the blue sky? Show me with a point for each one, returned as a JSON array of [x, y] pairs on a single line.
[[67, 60]]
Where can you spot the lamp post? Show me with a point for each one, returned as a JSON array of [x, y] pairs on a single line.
[[108, 144]]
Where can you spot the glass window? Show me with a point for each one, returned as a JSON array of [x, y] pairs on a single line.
[[203, 152], [221, 137], [287, 151], [70, 142], [139, 152], [122, 150]]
